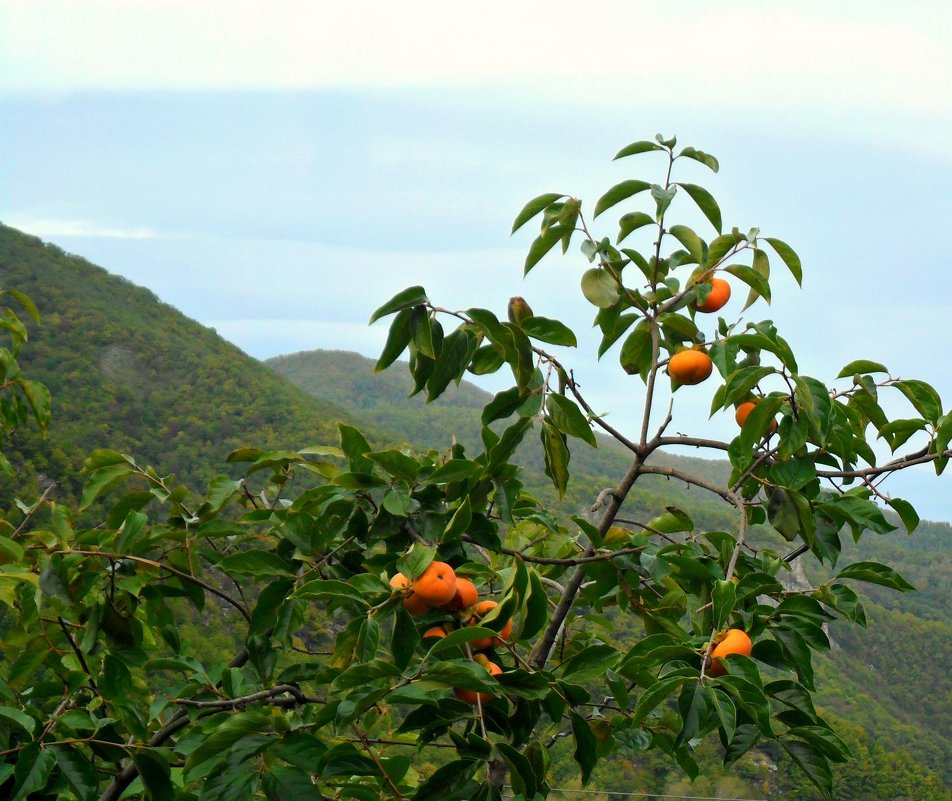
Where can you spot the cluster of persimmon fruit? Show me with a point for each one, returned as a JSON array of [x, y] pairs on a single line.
[[692, 365], [438, 587]]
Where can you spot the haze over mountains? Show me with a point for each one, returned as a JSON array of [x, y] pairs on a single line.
[[129, 372]]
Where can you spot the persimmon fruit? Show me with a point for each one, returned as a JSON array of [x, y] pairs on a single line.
[[718, 296], [466, 595], [735, 641], [412, 602], [480, 611], [437, 632], [690, 366], [744, 409]]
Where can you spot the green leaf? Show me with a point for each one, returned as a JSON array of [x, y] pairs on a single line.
[[699, 155], [214, 748], [654, 695], [24, 721], [923, 397], [541, 245], [671, 521], [460, 521], [691, 241], [283, 782], [589, 662], [460, 637], [33, 768], [600, 288], [791, 259], [38, 397], [556, 456], [421, 331], [636, 351], [332, 590], [355, 447], [405, 638], [875, 573], [752, 278], [103, 480], [907, 513], [568, 418], [10, 551], [155, 774], [462, 673], [397, 464], [24, 301], [662, 198], [411, 296], [455, 354], [705, 202], [585, 746], [862, 366], [534, 207], [77, 770], [536, 608], [398, 338], [634, 148], [812, 763], [629, 223], [258, 564], [551, 331], [618, 193], [416, 560], [724, 597]]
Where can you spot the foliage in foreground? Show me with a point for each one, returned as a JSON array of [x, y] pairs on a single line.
[[102, 697]]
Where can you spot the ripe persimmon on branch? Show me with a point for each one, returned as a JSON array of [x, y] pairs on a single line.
[[453, 608]]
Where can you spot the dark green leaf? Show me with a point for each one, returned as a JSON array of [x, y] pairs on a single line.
[[397, 340], [567, 417], [785, 252], [691, 241], [551, 331], [705, 202], [556, 456], [618, 193], [412, 296], [628, 223], [585, 746], [723, 596], [155, 774], [33, 767], [637, 147], [875, 573], [861, 366], [534, 207]]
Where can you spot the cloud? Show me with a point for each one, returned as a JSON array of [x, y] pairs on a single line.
[[873, 55], [51, 227]]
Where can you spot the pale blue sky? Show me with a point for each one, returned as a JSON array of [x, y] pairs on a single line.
[[278, 173]]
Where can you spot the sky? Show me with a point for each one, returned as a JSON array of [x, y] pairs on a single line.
[[278, 170]]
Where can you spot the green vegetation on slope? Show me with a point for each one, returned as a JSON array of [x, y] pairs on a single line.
[[131, 373]]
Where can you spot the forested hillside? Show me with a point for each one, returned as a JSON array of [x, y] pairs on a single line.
[[131, 373]]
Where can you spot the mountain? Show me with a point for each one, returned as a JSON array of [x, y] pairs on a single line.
[[129, 372]]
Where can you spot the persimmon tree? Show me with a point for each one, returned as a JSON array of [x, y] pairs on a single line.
[[101, 697]]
